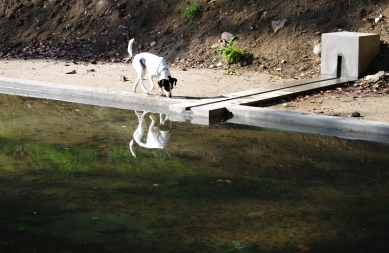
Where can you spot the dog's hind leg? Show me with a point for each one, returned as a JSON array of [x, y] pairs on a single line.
[[141, 76], [136, 84], [139, 80], [151, 82], [140, 70]]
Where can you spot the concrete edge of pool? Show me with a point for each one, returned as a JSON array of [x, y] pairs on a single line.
[[247, 115]]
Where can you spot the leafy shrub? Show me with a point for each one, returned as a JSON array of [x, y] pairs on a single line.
[[193, 10], [232, 54]]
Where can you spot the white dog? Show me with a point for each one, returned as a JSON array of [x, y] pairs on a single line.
[[156, 67], [157, 136]]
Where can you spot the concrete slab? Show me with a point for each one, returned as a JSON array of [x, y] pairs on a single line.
[[348, 54], [246, 94]]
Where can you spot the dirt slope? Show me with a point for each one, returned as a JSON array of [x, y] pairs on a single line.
[[100, 29]]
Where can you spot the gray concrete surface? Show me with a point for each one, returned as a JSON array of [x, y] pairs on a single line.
[[356, 51], [349, 128]]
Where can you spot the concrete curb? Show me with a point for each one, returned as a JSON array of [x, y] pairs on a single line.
[[255, 116], [87, 95], [350, 128]]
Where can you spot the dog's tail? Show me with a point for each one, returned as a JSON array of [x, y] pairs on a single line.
[[130, 48]]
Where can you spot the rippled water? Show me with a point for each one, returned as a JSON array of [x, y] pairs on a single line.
[[69, 182]]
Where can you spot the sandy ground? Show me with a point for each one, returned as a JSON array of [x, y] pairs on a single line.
[[200, 83]]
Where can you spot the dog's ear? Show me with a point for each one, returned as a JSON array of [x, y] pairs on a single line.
[[173, 80], [160, 83]]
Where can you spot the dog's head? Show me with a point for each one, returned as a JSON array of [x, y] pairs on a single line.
[[168, 84]]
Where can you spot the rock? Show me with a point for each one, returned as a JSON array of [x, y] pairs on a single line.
[[376, 20], [355, 114], [71, 72], [375, 78], [317, 49], [214, 46], [122, 78], [264, 15], [127, 59], [277, 25], [226, 36]]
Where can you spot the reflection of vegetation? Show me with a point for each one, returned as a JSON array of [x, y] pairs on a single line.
[[237, 245], [270, 180], [24, 227]]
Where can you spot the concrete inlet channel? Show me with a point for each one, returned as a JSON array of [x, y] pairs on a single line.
[[345, 57]]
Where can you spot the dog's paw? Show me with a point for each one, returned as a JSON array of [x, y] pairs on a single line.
[[162, 94]]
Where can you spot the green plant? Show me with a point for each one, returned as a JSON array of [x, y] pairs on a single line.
[[232, 54], [193, 10]]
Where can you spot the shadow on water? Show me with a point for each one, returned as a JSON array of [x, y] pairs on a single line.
[[70, 181]]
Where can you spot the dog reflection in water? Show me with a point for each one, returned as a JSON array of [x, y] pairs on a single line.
[[157, 135]]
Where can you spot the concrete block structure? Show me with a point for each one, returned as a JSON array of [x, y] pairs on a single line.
[[348, 54]]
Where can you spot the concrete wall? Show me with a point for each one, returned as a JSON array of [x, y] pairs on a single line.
[[355, 50]]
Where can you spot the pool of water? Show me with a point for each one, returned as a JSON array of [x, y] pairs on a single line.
[[79, 178]]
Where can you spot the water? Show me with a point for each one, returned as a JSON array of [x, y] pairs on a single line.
[[69, 182]]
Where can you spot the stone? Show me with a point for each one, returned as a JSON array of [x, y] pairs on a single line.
[[375, 78], [317, 49], [226, 36], [278, 25]]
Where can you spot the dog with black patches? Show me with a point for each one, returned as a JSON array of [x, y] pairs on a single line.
[[156, 67]]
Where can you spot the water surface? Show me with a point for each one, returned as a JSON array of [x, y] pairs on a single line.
[[69, 182]]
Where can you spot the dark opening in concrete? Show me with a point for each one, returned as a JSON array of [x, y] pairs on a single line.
[[339, 67]]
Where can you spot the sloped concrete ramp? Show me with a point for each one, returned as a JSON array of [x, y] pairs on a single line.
[[207, 110]]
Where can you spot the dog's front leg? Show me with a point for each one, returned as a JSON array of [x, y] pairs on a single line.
[[161, 92]]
